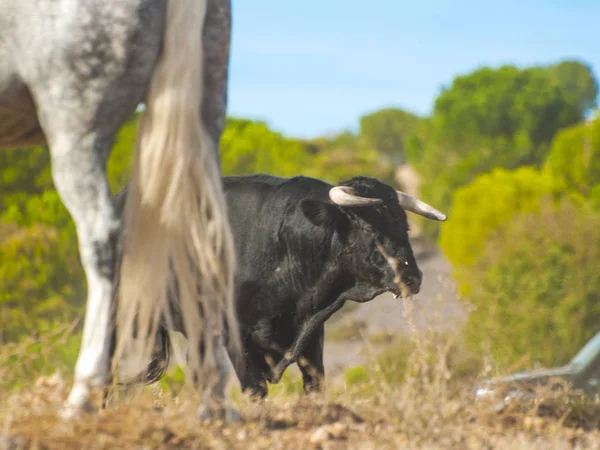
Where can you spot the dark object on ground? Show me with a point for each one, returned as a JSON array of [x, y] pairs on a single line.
[[582, 373]]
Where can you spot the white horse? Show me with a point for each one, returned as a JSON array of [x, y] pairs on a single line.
[[71, 73]]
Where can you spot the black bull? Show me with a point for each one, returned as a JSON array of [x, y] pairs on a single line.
[[304, 248]]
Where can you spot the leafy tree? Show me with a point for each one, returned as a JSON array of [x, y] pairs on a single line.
[[577, 78], [387, 130], [493, 117], [251, 147], [523, 107], [341, 163]]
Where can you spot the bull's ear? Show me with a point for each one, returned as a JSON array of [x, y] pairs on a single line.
[[320, 213]]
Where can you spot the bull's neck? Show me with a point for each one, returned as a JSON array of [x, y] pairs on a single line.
[[331, 285]]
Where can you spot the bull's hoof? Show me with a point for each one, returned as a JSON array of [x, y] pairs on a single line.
[[277, 372], [226, 414]]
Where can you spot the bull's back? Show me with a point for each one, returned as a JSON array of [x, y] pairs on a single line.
[[259, 204], [253, 213], [266, 219]]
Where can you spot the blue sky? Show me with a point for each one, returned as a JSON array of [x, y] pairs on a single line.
[[310, 67]]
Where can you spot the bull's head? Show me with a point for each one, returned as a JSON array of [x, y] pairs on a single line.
[[371, 220]]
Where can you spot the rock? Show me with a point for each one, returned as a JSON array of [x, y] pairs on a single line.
[[12, 443], [338, 430], [324, 433], [319, 436], [55, 380]]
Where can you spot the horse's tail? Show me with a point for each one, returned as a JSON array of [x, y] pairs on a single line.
[[175, 212], [161, 357]]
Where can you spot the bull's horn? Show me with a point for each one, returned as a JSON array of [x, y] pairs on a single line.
[[346, 196], [412, 204]]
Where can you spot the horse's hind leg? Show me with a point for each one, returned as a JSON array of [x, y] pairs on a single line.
[[215, 402], [80, 122], [78, 169], [85, 86]]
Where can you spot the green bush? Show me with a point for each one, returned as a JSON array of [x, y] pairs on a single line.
[[486, 204], [355, 375], [40, 279], [536, 286], [574, 160], [23, 362]]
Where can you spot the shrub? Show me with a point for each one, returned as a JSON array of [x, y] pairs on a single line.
[[336, 164], [249, 147], [486, 204], [38, 286], [537, 286], [23, 362]]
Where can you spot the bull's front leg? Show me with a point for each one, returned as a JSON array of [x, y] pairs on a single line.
[[309, 328], [311, 362]]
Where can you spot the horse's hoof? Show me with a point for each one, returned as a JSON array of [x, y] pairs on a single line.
[[73, 412], [77, 404], [227, 414]]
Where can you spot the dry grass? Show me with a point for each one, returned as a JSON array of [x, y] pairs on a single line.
[[420, 413], [416, 399], [347, 330]]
